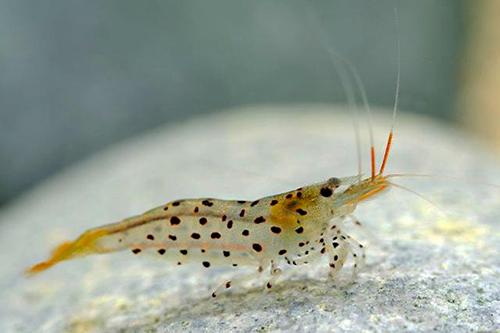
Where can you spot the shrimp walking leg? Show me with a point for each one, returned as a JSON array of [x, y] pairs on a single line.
[[275, 274], [366, 232], [237, 282], [358, 253], [338, 251]]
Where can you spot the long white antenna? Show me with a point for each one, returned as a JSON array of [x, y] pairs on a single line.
[[351, 101], [396, 98], [346, 86], [432, 203], [361, 87]]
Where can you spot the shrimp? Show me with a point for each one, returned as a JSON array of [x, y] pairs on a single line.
[[294, 228]]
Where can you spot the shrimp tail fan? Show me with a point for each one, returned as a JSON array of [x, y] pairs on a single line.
[[84, 245]]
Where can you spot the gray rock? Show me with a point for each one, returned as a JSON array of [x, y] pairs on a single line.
[[426, 270]]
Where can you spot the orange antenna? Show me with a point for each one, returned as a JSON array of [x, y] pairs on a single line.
[[396, 100], [372, 158], [386, 153]]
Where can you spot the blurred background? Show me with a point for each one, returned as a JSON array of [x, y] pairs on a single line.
[[77, 76]]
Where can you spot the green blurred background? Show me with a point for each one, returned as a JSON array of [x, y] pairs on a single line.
[[77, 76]]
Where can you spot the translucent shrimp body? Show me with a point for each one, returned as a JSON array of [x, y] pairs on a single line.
[[295, 228], [292, 228]]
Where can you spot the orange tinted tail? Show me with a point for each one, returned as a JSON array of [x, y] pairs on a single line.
[[60, 253], [84, 245]]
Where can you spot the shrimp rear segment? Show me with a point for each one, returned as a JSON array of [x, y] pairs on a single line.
[[209, 231]]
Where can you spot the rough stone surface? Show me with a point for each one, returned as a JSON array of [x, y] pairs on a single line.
[[426, 271]]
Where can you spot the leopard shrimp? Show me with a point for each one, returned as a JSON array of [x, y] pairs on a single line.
[[294, 228]]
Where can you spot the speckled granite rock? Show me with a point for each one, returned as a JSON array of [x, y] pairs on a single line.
[[425, 271]]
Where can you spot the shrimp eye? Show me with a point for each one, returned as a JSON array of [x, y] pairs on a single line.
[[326, 192]]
